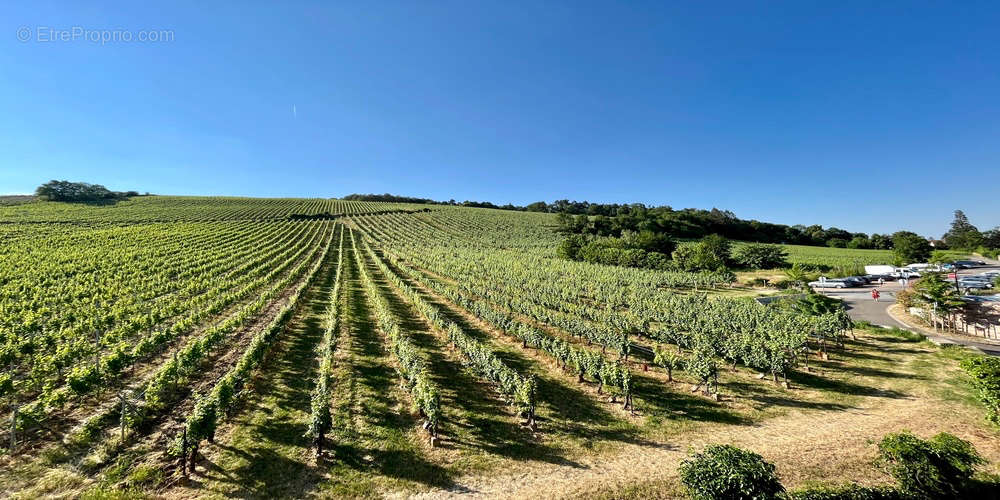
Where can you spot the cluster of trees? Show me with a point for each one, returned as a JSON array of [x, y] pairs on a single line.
[[940, 467], [612, 219], [79, 192], [615, 219], [427, 201], [643, 249], [962, 235], [694, 223], [650, 250]]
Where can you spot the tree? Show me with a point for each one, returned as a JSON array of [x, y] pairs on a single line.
[[717, 246], [797, 274], [939, 467], [538, 206], [881, 242], [760, 256], [727, 472], [570, 247], [939, 295], [859, 242], [77, 191], [939, 257], [709, 254], [991, 238], [565, 222], [836, 243], [911, 247], [962, 235], [654, 242]]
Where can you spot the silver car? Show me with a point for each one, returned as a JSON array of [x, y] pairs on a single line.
[[830, 284]]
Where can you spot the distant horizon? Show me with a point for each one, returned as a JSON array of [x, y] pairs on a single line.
[[460, 200]]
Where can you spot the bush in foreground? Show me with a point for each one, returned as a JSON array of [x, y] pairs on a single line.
[[939, 467], [985, 373], [727, 472]]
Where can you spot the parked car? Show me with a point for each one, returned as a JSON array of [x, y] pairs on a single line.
[[975, 285], [875, 277], [906, 274], [970, 279], [968, 264], [857, 280], [835, 283]]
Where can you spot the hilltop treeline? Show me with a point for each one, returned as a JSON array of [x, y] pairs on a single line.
[[79, 192], [694, 223], [427, 201], [612, 219]]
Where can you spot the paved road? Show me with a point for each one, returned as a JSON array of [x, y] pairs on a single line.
[[860, 306]]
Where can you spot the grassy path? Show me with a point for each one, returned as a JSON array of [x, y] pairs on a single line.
[[377, 445]]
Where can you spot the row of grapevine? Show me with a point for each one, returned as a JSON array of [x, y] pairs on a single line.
[[736, 330], [217, 404], [612, 376], [154, 209], [320, 419], [87, 378], [519, 390], [55, 353], [170, 379], [410, 364]]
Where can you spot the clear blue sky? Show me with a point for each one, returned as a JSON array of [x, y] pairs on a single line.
[[887, 112]]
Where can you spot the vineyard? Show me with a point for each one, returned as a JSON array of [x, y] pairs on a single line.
[[199, 346]]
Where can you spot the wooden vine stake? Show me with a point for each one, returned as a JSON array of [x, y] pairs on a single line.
[[184, 449], [13, 429]]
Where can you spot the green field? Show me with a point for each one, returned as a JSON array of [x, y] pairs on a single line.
[[443, 352]]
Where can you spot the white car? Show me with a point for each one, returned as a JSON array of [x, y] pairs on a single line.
[[830, 284]]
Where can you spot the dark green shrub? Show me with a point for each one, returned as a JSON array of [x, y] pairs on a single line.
[[760, 256], [985, 373], [815, 304], [570, 247], [711, 253], [936, 468], [727, 472]]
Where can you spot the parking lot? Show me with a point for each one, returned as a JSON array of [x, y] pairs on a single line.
[[890, 287], [861, 306]]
